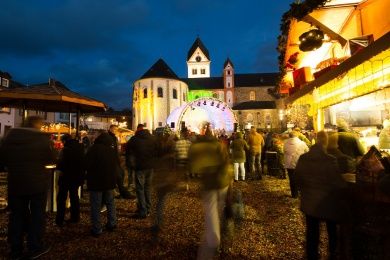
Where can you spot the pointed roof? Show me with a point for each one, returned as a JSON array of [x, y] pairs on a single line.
[[198, 43], [160, 70], [228, 61]]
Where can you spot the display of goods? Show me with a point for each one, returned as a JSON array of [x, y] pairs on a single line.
[[301, 76]]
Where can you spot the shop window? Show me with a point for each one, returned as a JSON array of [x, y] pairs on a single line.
[[202, 71], [252, 95], [194, 71], [160, 92], [174, 93], [145, 93]]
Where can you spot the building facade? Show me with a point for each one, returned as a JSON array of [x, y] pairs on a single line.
[[160, 91]]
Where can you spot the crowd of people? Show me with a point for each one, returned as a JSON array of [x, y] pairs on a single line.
[[313, 166]]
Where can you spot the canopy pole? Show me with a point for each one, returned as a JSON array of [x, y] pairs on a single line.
[[77, 123]]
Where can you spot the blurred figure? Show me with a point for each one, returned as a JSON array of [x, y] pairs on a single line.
[[119, 173], [208, 159], [346, 163], [302, 137], [71, 165], [320, 182], [181, 151], [348, 142], [293, 148], [256, 143], [142, 147], [25, 152], [100, 161], [238, 147], [384, 136]]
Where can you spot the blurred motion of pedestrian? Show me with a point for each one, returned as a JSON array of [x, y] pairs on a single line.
[[239, 148], [71, 167], [25, 152], [348, 141], [209, 159], [321, 185], [100, 161]]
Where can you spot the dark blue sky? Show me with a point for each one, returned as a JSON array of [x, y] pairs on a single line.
[[98, 48]]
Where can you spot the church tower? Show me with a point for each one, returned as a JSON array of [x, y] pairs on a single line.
[[228, 82], [198, 60]]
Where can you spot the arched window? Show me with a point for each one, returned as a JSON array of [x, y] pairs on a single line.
[[252, 95], [160, 92], [249, 117], [215, 95], [174, 93], [184, 96], [145, 93]]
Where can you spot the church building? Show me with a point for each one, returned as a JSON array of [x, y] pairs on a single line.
[[161, 98]]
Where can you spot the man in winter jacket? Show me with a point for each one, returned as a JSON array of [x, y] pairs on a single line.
[[293, 148], [256, 143], [100, 161], [208, 158], [25, 152], [348, 142], [71, 165], [142, 147], [320, 183]]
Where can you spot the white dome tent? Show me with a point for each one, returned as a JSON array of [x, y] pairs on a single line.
[[209, 109]]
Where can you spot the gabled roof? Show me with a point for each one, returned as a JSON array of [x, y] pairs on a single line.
[[226, 63], [198, 43], [255, 79], [204, 83], [255, 105], [160, 70]]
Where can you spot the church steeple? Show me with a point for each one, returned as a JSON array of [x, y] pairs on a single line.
[[228, 81], [198, 60]]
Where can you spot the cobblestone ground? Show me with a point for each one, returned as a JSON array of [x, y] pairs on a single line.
[[273, 228]]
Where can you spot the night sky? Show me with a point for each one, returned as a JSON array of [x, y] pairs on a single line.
[[98, 48]]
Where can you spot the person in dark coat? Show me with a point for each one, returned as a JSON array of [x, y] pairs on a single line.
[[100, 161], [239, 148], [71, 166], [25, 152], [142, 147], [348, 142], [320, 182]]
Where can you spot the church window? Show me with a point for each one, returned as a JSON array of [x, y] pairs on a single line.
[[174, 93], [228, 72], [159, 124], [215, 95], [145, 93], [228, 84], [184, 96], [202, 71], [194, 71], [160, 92], [252, 95]]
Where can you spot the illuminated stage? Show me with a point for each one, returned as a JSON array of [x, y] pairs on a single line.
[[208, 109]]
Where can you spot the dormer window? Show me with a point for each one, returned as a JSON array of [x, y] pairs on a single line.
[[4, 82]]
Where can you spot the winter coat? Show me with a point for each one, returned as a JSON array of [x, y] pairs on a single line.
[[209, 159], [142, 147], [238, 147], [25, 152], [101, 164], [293, 148], [71, 162], [349, 144], [346, 163], [320, 182], [255, 142]]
